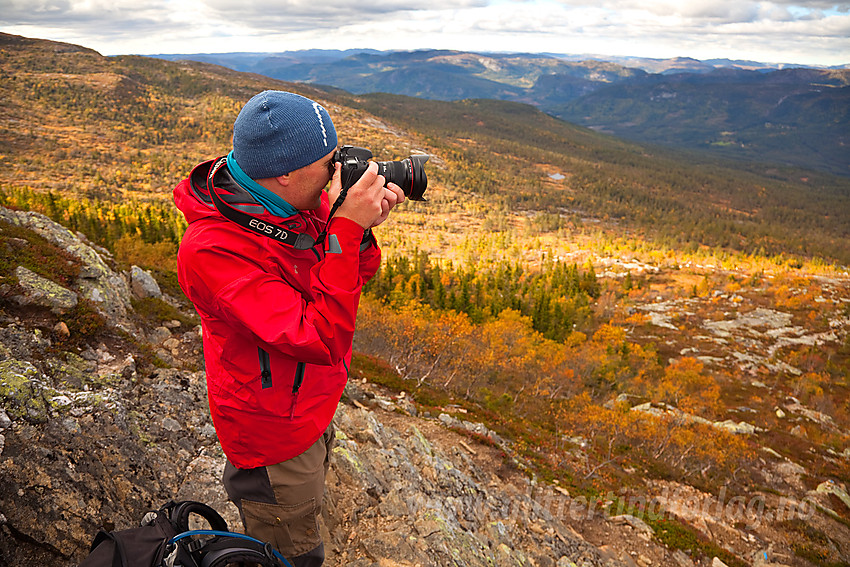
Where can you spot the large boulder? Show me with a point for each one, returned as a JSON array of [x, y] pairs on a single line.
[[107, 289]]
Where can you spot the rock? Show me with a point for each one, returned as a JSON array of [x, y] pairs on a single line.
[[21, 393], [98, 283], [820, 418], [159, 335], [740, 428], [62, 330], [771, 452], [43, 292], [143, 284], [639, 525], [832, 487], [799, 431], [716, 562], [681, 559], [790, 472], [202, 482], [662, 410], [441, 501]]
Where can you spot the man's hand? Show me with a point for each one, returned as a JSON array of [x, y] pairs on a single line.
[[368, 202], [393, 195]]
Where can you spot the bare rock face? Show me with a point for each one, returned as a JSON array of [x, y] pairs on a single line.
[[90, 444], [40, 291], [81, 453], [428, 505], [108, 290]]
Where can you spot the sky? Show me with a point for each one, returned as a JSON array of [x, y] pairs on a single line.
[[776, 31]]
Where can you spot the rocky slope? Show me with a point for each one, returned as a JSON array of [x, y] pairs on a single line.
[[97, 429], [96, 437]]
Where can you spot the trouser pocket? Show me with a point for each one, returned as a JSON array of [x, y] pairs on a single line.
[[291, 529]]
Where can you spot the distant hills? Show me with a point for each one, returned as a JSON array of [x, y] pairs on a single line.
[[739, 109], [106, 128]]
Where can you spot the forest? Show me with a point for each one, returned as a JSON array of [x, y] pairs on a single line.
[[555, 279]]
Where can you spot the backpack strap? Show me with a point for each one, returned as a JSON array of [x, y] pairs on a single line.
[[182, 510], [228, 554], [225, 547]]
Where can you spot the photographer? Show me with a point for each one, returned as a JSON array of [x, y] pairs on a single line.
[[277, 284]]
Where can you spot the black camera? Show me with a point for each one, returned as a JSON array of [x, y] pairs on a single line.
[[409, 173]]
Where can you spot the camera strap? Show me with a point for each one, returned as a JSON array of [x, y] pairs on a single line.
[[284, 235], [346, 185]]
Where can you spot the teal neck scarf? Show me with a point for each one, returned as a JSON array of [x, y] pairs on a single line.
[[273, 203]]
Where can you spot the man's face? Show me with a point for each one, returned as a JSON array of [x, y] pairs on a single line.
[[306, 184]]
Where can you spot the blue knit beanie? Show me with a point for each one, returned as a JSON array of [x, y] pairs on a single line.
[[278, 132]]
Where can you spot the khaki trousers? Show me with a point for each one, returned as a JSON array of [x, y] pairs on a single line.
[[281, 503]]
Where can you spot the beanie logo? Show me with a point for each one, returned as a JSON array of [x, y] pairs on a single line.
[[318, 108]]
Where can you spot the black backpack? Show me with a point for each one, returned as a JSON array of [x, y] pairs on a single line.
[[165, 540]]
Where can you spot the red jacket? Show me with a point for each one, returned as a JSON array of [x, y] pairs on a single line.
[[277, 321]]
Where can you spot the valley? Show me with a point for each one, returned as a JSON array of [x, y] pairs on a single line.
[[739, 110]]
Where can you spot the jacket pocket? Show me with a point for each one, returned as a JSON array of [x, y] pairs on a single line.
[[299, 377], [291, 529], [265, 368], [296, 385]]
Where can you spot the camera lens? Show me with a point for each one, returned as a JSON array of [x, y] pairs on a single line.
[[409, 174]]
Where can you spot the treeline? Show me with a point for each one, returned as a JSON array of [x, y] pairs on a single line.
[[118, 106], [555, 297], [103, 222]]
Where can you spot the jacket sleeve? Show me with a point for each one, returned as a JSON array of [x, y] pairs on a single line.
[[316, 327]]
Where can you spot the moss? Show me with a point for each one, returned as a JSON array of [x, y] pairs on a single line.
[[45, 291], [21, 396], [679, 536], [22, 247], [73, 372], [135, 420], [156, 311], [352, 458], [421, 440]]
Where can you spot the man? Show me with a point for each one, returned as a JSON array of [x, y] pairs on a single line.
[[277, 284]]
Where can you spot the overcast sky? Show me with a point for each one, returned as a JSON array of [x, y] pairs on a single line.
[[816, 32]]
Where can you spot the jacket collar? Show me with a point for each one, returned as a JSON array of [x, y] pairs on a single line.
[[214, 185]]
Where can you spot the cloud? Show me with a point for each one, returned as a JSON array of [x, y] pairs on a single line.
[[812, 31]]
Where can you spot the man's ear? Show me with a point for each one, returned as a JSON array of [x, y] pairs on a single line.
[[283, 179]]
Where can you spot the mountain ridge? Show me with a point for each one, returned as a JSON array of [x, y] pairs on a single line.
[[608, 95]]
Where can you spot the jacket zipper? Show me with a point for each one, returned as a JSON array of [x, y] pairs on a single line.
[[265, 369], [296, 385]]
